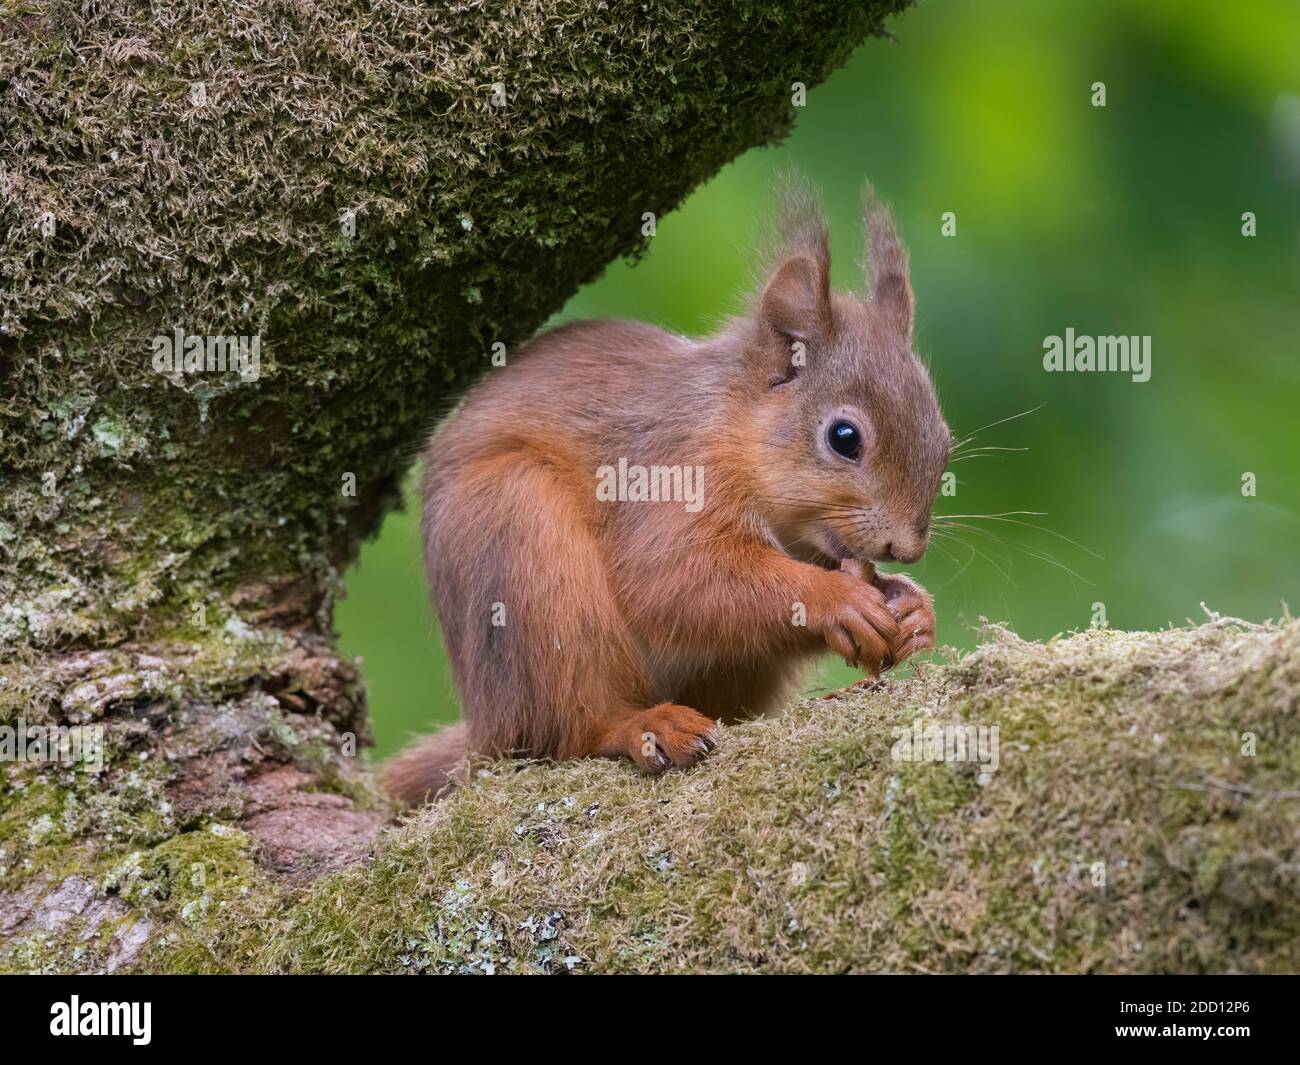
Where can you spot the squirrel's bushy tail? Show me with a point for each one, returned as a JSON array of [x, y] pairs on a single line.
[[430, 769]]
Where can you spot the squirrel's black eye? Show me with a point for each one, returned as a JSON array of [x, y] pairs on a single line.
[[845, 439]]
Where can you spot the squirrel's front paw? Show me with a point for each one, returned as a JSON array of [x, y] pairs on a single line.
[[912, 607], [853, 618]]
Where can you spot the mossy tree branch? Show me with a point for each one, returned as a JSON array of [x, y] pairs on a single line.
[[1137, 813]]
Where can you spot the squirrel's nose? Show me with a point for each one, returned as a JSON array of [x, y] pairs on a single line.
[[905, 552]]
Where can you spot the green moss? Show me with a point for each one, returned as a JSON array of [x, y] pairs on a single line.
[[59, 820], [32, 833], [188, 885]]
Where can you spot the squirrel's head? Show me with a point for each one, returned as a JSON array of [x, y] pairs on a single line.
[[852, 444]]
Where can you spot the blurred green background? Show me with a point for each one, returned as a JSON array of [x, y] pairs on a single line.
[[1123, 219]]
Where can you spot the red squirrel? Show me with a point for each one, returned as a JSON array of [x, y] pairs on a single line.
[[593, 604]]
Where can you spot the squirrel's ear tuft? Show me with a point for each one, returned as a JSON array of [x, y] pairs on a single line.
[[796, 301], [891, 291], [794, 310]]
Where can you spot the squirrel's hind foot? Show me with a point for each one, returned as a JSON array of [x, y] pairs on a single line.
[[661, 737]]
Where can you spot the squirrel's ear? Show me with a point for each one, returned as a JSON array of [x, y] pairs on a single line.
[[891, 291], [796, 299]]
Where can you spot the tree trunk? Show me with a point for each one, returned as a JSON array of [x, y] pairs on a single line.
[[372, 196]]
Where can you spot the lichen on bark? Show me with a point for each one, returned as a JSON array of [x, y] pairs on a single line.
[[378, 192]]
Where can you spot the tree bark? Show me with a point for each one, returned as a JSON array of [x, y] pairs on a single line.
[[374, 195]]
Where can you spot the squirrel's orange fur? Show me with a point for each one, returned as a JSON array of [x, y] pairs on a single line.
[[578, 626]]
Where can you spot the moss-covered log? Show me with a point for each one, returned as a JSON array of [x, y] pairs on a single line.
[[1137, 813], [372, 195]]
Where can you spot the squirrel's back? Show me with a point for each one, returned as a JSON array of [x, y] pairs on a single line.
[[593, 387]]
